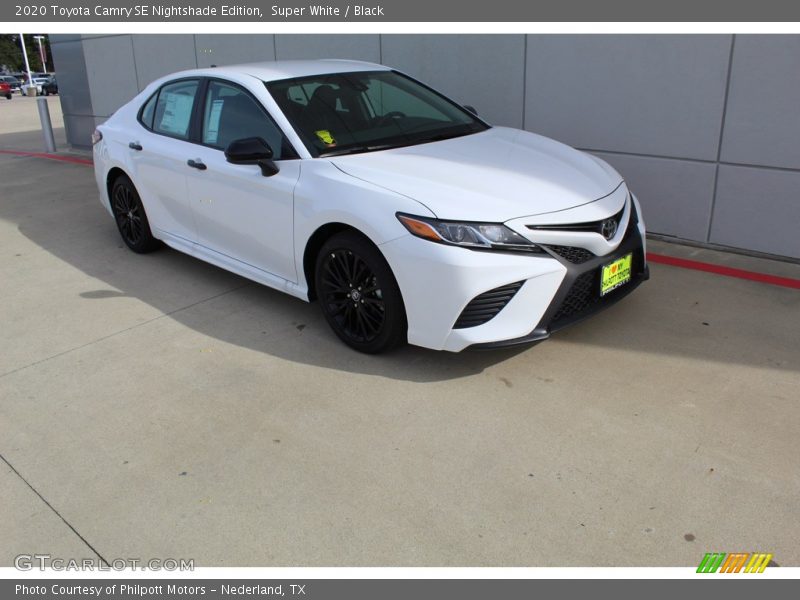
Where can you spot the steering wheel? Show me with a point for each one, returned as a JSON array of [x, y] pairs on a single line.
[[394, 114]]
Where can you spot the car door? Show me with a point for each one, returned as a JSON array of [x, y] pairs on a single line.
[[240, 213], [158, 154]]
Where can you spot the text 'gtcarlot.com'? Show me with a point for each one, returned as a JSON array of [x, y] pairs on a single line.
[[28, 562]]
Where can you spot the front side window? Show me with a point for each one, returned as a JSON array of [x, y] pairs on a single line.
[[173, 110], [344, 113], [230, 114]]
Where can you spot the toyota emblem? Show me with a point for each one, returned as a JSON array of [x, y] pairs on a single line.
[[608, 228]]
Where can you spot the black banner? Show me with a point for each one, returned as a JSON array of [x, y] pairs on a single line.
[[88, 11], [704, 587]]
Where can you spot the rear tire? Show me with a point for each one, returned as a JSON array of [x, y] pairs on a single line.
[[131, 219], [359, 295]]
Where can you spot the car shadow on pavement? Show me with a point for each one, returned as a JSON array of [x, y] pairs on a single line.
[[55, 206], [678, 312], [701, 317]]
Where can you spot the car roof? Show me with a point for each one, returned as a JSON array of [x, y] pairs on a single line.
[[288, 69]]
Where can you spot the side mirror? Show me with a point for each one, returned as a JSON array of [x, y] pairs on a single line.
[[471, 109], [252, 151]]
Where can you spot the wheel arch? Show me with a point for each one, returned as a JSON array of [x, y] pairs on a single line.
[[112, 175], [313, 246]]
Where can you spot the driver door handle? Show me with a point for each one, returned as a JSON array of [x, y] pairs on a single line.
[[196, 164], [135, 146]]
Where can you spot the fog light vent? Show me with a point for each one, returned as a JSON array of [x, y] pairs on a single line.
[[484, 308]]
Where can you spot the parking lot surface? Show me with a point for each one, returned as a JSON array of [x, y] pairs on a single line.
[[20, 126], [156, 406]]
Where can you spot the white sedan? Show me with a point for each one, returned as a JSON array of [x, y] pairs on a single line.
[[38, 82], [406, 215]]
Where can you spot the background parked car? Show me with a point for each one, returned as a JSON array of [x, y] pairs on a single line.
[[12, 81], [38, 82], [51, 87], [5, 90]]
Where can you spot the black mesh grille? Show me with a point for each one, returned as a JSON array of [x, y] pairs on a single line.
[[582, 295], [585, 292], [485, 307], [573, 254]]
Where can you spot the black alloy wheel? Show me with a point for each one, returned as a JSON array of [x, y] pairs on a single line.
[[130, 217], [359, 294]]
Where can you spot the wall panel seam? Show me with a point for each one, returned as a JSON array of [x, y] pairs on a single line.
[[721, 136], [135, 66], [701, 161], [524, 78]]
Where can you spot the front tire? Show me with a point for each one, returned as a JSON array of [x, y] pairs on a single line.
[[359, 295], [131, 219]]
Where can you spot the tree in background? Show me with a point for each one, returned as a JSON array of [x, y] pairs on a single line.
[[11, 53]]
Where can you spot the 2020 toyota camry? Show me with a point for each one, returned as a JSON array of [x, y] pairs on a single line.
[[403, 213]]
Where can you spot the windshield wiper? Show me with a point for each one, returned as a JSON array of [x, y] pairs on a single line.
[[356, 150], [400, 144], [442, 136]]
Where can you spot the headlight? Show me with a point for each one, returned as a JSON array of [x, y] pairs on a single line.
[[487, 236]]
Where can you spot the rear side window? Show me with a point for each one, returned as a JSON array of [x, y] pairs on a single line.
[[173, 109], [148, 111]]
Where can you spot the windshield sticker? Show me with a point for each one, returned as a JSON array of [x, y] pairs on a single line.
[[325, 137]]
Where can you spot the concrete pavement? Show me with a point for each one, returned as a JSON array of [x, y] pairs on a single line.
[[156, 406], [20, 125]]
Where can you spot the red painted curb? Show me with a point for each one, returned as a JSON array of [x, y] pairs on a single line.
[[696, 265], [60, 157]]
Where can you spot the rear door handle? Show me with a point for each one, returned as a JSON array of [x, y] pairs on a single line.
[[135, 146], [197, 164]]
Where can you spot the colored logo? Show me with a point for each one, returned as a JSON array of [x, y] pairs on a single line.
[[736, 562]]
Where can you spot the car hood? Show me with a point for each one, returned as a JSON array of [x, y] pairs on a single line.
[[496, 175]]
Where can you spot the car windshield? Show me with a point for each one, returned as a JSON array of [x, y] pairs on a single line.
[[348, 113]]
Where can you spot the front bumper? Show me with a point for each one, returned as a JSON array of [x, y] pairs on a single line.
[[578, 296], [439, 281]]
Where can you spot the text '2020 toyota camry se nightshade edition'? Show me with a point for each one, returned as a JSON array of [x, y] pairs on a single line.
[[403, 213]]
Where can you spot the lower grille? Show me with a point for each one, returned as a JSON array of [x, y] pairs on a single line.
[[585, 292], [573, 254], [581, 296], [484, 308]]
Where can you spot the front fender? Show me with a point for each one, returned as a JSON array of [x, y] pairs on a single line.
[[326, 195]]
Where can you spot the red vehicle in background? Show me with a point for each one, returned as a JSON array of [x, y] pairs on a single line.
[[5, 90]]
